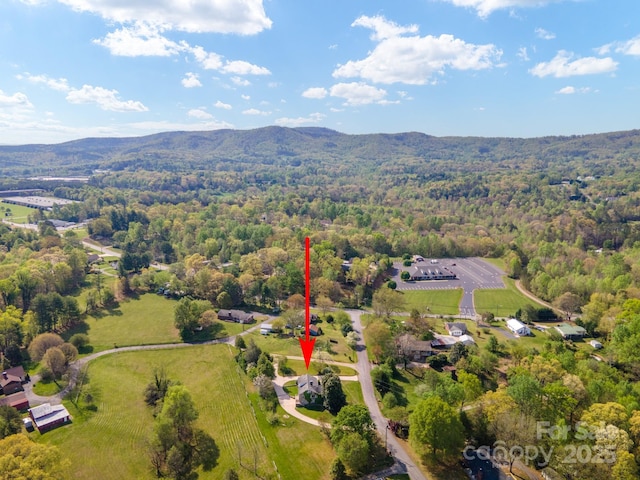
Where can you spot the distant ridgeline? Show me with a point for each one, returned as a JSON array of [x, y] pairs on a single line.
[[318, 151]]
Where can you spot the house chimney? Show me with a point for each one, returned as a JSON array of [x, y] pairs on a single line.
[[4, 375]]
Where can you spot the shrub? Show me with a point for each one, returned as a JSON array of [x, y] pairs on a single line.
[[79, 340]]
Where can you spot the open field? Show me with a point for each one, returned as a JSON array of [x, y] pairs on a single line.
[[143, 321], [440, 302], [111, 443], [19, 213], [502, 302]]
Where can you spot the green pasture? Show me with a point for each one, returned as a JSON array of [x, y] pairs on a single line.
[[112, 442], [146, 320], [439, 302], [19, 213], [502, 302]]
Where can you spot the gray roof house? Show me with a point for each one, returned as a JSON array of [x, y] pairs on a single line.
[[309, 390]]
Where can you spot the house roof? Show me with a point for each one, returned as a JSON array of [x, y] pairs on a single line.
[[514, 323], [14, 400], [415, 345], [7, 378], [46, 413], [456, 325], [570, 330], [308, 382]]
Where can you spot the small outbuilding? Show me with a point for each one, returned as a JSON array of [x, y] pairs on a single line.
[[266, 329], [595, 344], [517, 327]]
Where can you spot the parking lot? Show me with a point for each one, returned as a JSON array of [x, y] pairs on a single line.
[[472, 273]]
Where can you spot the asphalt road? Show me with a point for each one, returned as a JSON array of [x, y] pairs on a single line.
[[364, 369]]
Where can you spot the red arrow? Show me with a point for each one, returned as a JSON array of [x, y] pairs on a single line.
[[307, 344]]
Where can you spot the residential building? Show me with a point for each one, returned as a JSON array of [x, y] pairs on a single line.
[[456, 328], [18, 400], [11, 380], [571, 332], [309, 390], [237, 316], [517, 327], [415, 350]]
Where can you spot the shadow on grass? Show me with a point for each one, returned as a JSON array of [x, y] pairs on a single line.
[[212, 332]]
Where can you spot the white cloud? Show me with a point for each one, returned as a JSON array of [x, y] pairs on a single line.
[[486, 7], [105, 99], [357, 93], [545, 35], [569, 90], [240, 67], [630, 47], [255, 111], [315, 92], [199, 113], [522, 54], [300, 121], [207, 60], [222, 105], [414, 60], [382, 27], [563, 65], [142, 39], [58, 84], [191, 80], [245, 17], [245, 97], [241, 82], [17, 100]]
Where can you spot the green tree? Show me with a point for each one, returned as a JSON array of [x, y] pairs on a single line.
[[55, 361], [79, 340], [24, 458], [436, 426], [10, 421], [231, 474], [353, 451], [386, 301], [405, 276], [337, 470], [334, 396], [43, 342], [352, 419]]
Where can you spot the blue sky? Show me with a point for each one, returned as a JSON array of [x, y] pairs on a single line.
[[77, 68]]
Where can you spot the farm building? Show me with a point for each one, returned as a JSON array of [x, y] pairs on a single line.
[[47, 416], [43, 203], [518, 327], [309, 389], [237, 316], [17, 400], [571, 332]]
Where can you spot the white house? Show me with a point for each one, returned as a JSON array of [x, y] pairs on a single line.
[[309, 390], [456, 329], [518, 327]]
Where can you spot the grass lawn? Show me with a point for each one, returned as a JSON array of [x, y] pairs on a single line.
[[298, 368], [111, 443], [502, 302], [439, 302], [290, 346], [143, 321], [19, 213], [351, 389], [48, 388]]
